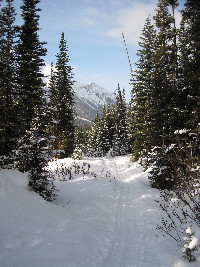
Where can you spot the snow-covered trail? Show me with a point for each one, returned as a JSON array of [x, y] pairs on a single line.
[[121, 243], [125, 245], [106, 218], [130, 246]]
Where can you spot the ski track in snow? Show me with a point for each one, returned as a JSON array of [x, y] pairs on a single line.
[[123, 245]]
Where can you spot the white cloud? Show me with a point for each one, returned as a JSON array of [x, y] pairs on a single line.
[[131, 21], [91, 15], [89, 21]]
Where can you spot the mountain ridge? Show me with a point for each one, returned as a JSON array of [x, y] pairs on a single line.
[[88, 99]]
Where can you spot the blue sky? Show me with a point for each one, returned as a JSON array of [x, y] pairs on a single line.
[[93, 32]]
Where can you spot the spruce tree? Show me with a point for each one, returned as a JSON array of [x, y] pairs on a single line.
[[62, 100], [80, 141], [120, 138], [190, 64], [130, 125], [165, 89], [94, 137], [110, 127], [189, 79], [40, 153], [155, 94], [141, 100], [103, 133], [8, 120], [30, 61], [106, 133], [34, 151], [163, 114]]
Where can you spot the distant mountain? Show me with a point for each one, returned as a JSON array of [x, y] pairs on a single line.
[[88, 99]]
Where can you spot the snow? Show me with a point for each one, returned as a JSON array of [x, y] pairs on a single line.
[[182, 131], [105, 216], [93, 93], [82, 119], [194, 243], [189, 230]]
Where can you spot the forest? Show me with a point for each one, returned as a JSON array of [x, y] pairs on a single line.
[[159, 127]]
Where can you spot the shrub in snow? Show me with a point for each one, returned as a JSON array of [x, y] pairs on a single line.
[[191, 244], [161, 167], [181, 204]]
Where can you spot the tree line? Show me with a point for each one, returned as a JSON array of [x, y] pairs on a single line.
[[109, 133], [165, 108], [165, 96]]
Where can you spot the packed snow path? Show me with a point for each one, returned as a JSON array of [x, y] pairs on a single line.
[[127, 242], [134, 230], [104, 217]]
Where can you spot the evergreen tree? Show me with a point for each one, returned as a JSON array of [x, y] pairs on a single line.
[[165, 90], [107, 128], [110, 127], [155, 94], [8, 122], [185, 160], [189, 79], [30, 61], [40, 153], [141, 100], [163, 111], [190, 64], [103, 134], [130, 125], [81, 141], [34, 115], [94, 137], [62, 101], [120, 138]]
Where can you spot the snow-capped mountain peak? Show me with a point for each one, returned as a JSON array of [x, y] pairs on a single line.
[[89, 98]]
